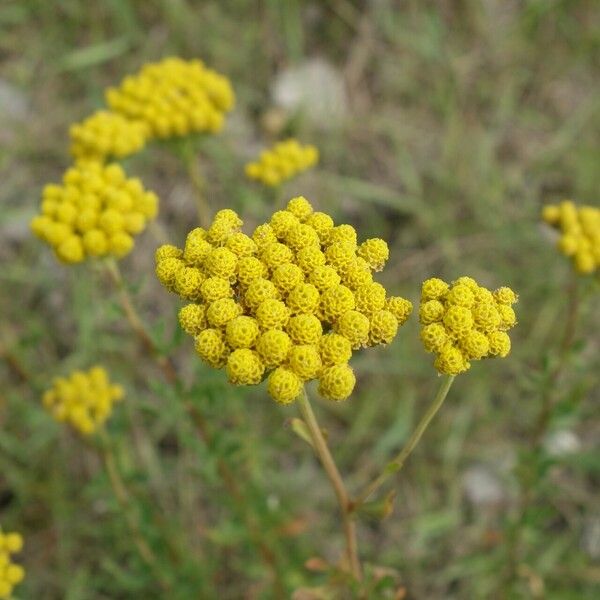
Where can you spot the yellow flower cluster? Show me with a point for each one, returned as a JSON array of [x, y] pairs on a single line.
[[296, 298], [84, 400], [282, 162], [11, 574], [105, 134], [95, 212], [580, 233], [465, 322], [174, 97]]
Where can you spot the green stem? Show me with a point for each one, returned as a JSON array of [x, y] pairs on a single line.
[[322, 451], [397, 462], [198, 183]]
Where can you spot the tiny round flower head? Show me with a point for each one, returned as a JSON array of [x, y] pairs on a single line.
[[221, 262], [229, 217], [250, 268], [244, 367], [433, 289], [310, 258], [304, 298], [340, 256], [71, 250], [474, 345], [431, 311], [384, 327], [335, 349], [434, 337], [505, 295], [219, 232], [460, 295], [508, 316], [399, 307], [343, 234], [287, 276], [272, 314], [499, 343], [212, 348], [304, 329], [273, 346], [376, 252], [198, 233], [120, 244], [302, 236], [276, 254], [196, 251], [259, 291], [281, 163], [357, 274], [242, 332], [551, 214], [300, 207], [451, 361], [284, 385], [468, 281], [354, 326], [370, 298], [568, 244], [11, 574], [264, 235], [322, 223], [167, 270], [188, 283], [281, 221], [304, 361], [336, 382], [241, 245], [192, 318], [458, 320], [324, 277], [336, 301], [222, 311], [483, 296], [215, 288], [486, 316]]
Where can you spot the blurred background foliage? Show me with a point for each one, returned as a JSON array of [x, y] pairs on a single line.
[[443, 127]]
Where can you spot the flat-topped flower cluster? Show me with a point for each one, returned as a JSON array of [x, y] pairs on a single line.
[[11, 574], [579, 228], [295, 298], [282, 162], [84, 400], [463, 322]]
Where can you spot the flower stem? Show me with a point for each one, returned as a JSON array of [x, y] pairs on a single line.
[[136, 322], [322, 451], [198, 183], [398, 461], [124, 499]]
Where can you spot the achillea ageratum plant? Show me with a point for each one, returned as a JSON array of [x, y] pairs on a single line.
[[296, 298], [107, 134], [174, 98], [84, 400], [96, 212], [282, 162], [579, 228], [11, 574], [463, 322]]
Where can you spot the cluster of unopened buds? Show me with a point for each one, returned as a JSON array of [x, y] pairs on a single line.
[[282, 162], [463, 322], [295, 298], [11, 574], [95, 212], [84, 400], [579, 228]]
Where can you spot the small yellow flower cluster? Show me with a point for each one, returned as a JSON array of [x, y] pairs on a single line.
[[11, 574], [174, 97], [282, 162], [580, 233], [84, 400], [465, 322], [107, 133], [95, 212], [296, 297]]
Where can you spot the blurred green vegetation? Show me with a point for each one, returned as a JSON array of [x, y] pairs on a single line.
[[463, 117]]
